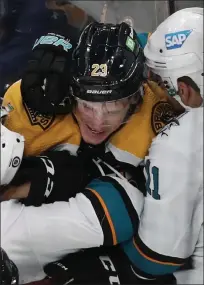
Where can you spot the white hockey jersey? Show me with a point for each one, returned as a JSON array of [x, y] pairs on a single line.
[[171, 224], [107, 213]]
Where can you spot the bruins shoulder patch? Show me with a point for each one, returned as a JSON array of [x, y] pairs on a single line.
[[36, 118], [162, 114]]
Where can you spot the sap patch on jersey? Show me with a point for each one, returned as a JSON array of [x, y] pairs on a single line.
[[36, 118], [176, 40]]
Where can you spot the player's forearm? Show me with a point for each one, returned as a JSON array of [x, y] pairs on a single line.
[[107, 213], [35, 236], [71, 225], [100, 216], [118, 206]]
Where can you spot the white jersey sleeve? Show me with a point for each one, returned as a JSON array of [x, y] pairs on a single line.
[[35, 236], [106, 213], [173, 209]]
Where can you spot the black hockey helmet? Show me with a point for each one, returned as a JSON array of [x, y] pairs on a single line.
[[108, 63], [9, 271]]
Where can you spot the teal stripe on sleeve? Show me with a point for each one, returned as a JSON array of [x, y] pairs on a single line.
[[146, 265], [116, 208]]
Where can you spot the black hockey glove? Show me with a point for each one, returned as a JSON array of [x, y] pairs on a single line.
[[57, 176], [98, 266], [45, 83]]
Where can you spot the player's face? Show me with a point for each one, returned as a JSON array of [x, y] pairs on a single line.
[[97, 121]]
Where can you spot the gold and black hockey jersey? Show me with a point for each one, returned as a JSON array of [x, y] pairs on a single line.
[[130, 144]]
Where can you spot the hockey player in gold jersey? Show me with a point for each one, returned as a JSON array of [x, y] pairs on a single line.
[[139, 113]]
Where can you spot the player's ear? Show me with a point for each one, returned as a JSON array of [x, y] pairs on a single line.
[[190, 94], [184, 92]]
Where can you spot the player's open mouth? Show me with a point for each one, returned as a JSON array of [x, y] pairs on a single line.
[[94, 131]]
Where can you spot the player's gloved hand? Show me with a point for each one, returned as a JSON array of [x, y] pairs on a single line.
[[57, 176], [162, 94], [97, 266], [45, 83], [91, 266]]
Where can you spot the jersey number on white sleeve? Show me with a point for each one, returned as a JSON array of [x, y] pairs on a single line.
[[153, 176]]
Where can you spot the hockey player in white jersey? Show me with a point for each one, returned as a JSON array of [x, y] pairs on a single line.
[[174, 167], [174, 173], [174, 55]]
